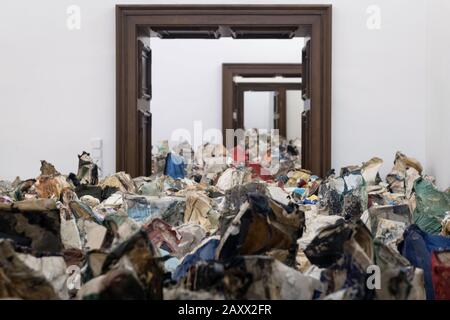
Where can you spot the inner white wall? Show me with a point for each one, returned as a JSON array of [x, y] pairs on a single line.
[[294, 109], [57, 87], [438, 107], [258, 110]]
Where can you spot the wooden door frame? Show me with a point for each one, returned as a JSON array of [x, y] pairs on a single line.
[[249, 70], [239, 90], [314, 21]]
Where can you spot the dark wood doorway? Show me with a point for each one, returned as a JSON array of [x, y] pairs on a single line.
[[136, 24], [232, 94], [279, 90]]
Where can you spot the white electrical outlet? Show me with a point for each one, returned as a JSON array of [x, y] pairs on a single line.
[[97, 153], [96, 143]]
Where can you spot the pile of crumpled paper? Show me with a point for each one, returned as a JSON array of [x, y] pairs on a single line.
[[224, 231]]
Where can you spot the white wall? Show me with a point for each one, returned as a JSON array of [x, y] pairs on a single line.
[[57, 87], [258, 110], [378, 80], [180, 100], [294, 109], [438, 108]]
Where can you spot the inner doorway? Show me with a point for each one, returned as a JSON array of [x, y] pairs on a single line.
[[137, 24], [277, 87], [271, 106]]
